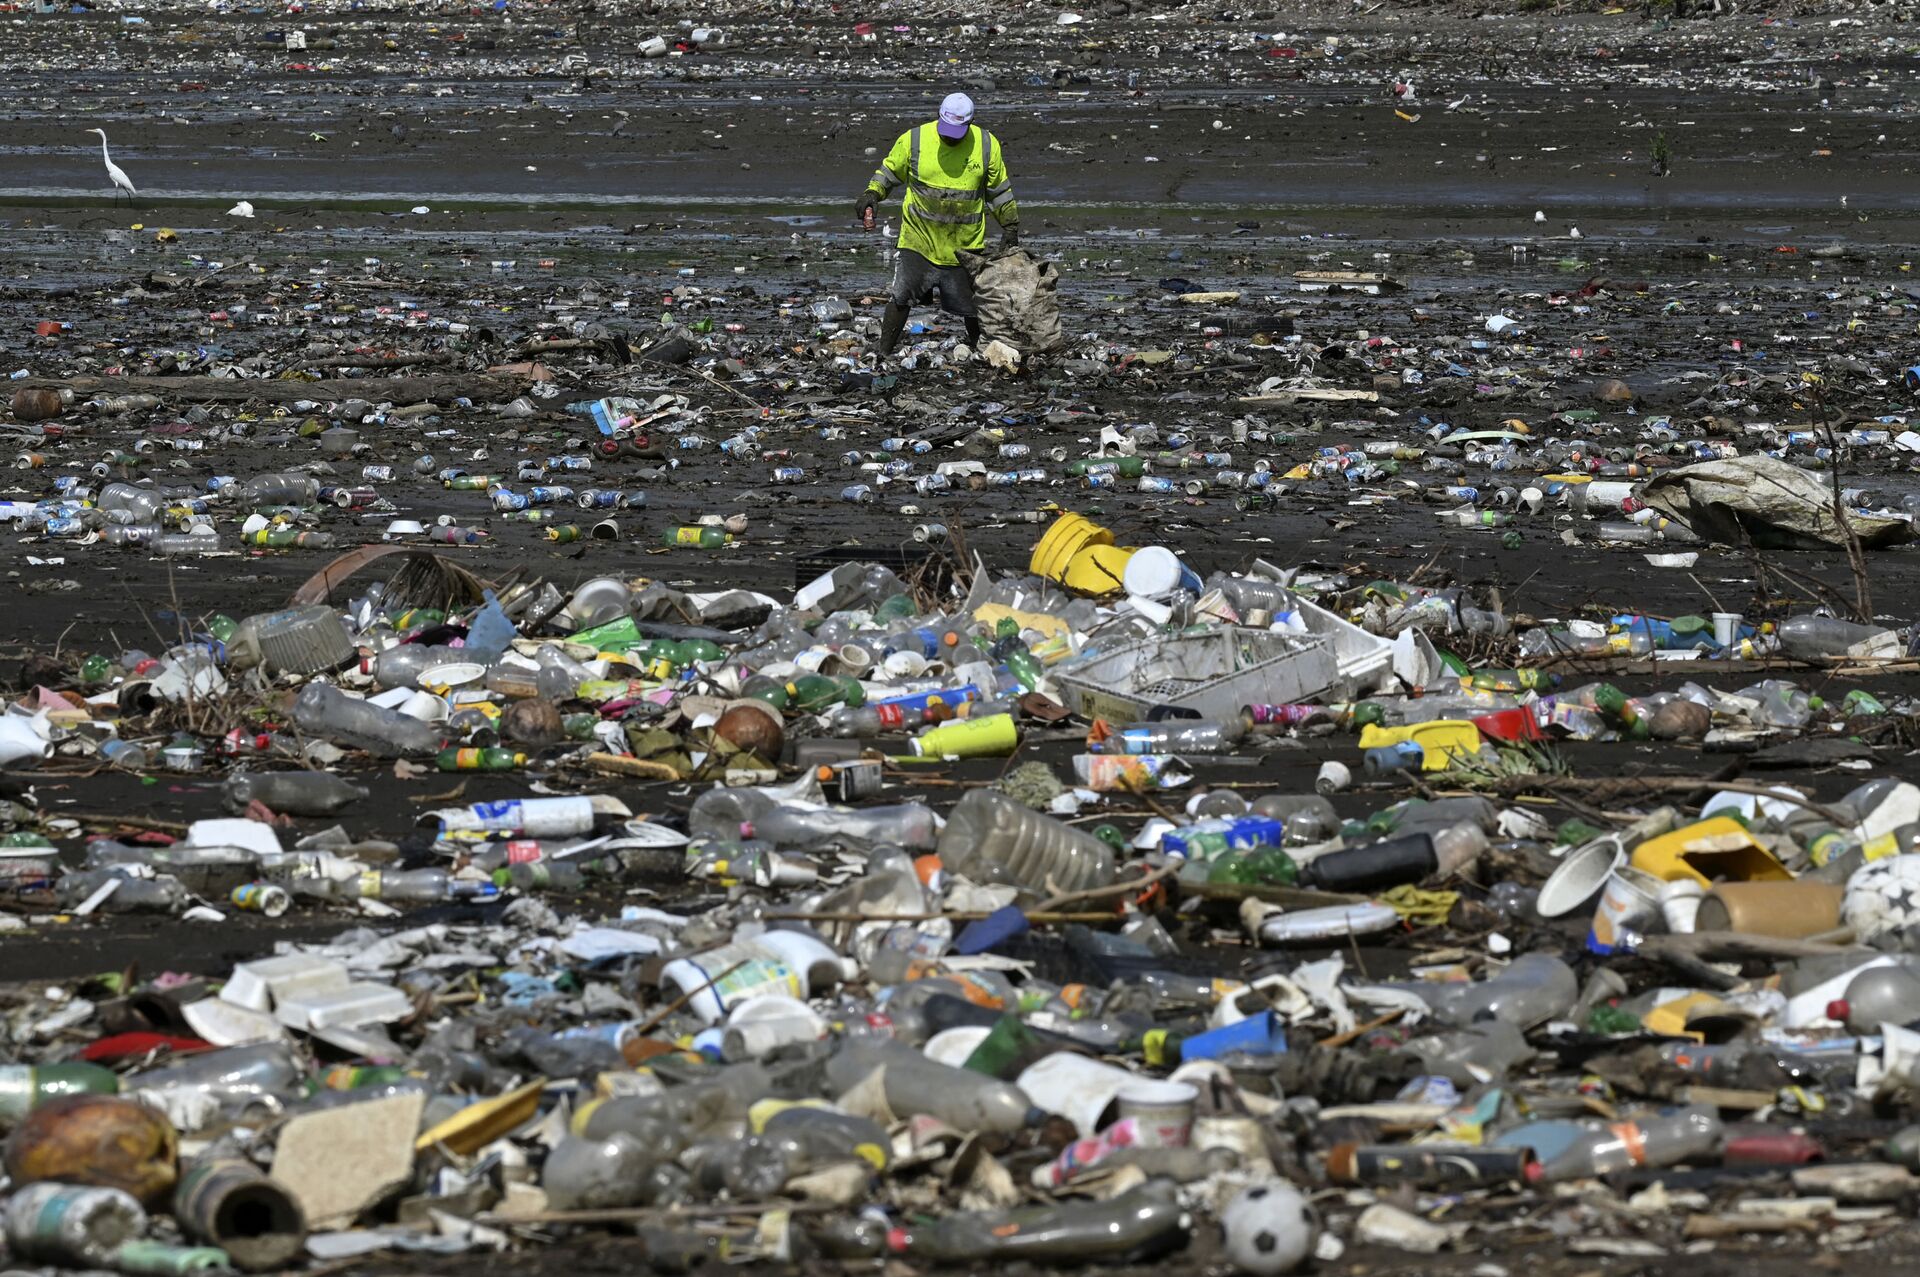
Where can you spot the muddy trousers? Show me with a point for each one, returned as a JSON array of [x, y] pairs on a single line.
[[915, 279]]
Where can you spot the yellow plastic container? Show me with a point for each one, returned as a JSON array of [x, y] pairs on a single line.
[[1440, 741], [994, 736], [1710, 851], [1081, 555]]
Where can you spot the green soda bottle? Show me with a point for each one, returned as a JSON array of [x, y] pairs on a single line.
[[1614, 706], [26, 1087], [479, 760], [1259, 866], [703, 538], [812, 693]]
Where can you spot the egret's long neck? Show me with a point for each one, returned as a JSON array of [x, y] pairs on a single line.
[[103, 149]]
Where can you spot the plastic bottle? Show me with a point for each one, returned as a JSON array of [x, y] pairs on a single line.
[[402, 665], [701, 538], [162, 894], [1651, 1140], [1812, 638], [25, 1087], [479, 760], [69, 1225], [280, 490], [1175, 737], [607, 1172], [1879, 995], [868, 721], [415, 886], [1263, 866], [291, 793], [909, 825], [1209, 839], [1534, 989], [915, 1085], [1395, 861], [990, 837], [231, 1074], [1140, 1224], [328, 712]]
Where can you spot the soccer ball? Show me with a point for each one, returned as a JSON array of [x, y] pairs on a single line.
[[1883, 899], [1270, 1229]]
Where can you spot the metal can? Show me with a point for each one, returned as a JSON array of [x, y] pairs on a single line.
[[377, 474], [1157, 483], [925, 532], [354, 498], [789, 474]]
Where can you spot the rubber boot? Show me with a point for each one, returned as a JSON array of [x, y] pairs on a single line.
[[891, 326], [973, 333]]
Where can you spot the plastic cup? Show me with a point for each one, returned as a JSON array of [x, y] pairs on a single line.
[[1583, 873], [1680, 905], [854, 659], [1162, 1110], [1726, 628], [1333, 778], [1630, 901]]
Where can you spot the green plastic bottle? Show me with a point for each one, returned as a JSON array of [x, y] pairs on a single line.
[[896, 608], [1025, 668], [95, 669], [479, 760], [1614, 706], [26, 1087], [703, 538], [812, 693], [1258, 866]]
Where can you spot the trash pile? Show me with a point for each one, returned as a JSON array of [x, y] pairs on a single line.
[[984, 930]]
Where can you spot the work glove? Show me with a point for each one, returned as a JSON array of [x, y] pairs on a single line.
[[864, 205], [1010, 236]]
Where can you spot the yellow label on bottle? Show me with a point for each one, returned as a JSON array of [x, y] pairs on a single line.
[[1153, 1045]]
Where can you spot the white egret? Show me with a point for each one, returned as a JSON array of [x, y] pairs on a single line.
[[115, 174]]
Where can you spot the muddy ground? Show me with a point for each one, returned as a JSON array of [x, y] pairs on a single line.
[[1152, 154]]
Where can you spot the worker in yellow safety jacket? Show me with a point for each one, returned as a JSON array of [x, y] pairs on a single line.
[[955, 175]]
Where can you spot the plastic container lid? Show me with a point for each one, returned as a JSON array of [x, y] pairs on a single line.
[[453, 674]]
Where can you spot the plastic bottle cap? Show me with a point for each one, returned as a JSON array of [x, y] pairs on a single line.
[[1839, 1009]]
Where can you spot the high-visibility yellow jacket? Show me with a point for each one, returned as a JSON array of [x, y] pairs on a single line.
[[950, 188]]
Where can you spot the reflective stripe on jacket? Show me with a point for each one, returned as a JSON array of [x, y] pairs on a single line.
[[950, 189]]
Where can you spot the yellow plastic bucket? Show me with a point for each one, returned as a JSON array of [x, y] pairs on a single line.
[[1069, 535], [1081, 555]]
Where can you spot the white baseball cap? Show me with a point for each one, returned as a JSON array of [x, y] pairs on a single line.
[[956, 113]]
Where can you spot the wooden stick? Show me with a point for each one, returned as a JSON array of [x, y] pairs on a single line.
[[654, 1021], [1117, 889], [1360, 1030]]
